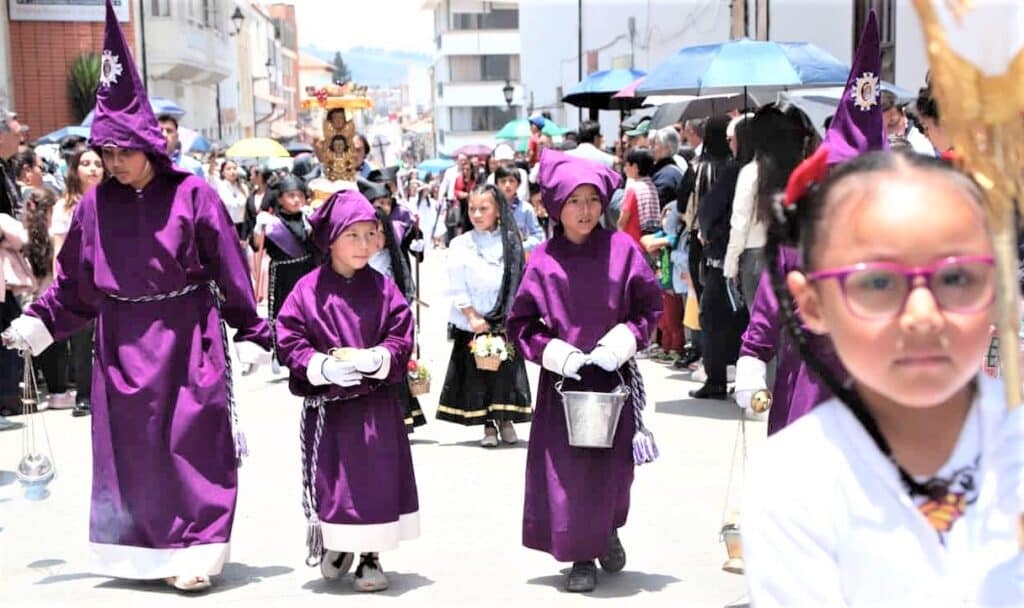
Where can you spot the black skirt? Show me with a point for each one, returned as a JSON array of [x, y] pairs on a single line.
[[471, 396], [411, 410]]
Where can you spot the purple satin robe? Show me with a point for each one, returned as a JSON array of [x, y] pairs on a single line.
[[164, 468], [797, 389], [576, 497], [364, 474]]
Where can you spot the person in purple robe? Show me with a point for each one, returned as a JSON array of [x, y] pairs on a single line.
[[346, 333], [392, 263], [587, 302], [152, 256], [283, 232], [857, 128]]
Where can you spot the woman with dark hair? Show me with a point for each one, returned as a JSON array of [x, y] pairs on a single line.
[[722, 317], [85, 172], [28, 170], [233, 192], [361, 148], [778, 142], [154, 257], [485, 265]]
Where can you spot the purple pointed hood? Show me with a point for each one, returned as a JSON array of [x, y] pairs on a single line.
[[559, 174], [123, 116], [343, 209], [857, 126]]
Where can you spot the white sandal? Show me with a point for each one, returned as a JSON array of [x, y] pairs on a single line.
[[189, 584]]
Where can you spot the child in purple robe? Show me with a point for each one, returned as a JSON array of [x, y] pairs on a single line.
[[153, 256], [587, 302], [346, 334]]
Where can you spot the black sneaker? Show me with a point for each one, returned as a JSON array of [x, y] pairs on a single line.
[[582, 578], [710, 391], [690, 356], [615, 560], [82, 408]]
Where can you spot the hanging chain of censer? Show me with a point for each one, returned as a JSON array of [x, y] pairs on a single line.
[[36, 468]]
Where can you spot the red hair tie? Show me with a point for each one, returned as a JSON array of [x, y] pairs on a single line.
[[813, 170]]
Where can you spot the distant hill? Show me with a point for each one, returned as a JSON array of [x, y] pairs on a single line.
[[374, 67]]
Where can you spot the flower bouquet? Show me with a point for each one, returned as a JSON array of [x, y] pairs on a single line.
[[419, 378], [490, 350]]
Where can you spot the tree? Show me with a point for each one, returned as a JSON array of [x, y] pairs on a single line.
[[341, 72], [83, 80]]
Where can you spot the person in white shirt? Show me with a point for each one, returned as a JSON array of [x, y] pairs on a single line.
[[591, 144], [906, 489], [233, 193], [897, 125]]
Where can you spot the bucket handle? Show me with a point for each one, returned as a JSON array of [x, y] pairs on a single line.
[[618, 372]]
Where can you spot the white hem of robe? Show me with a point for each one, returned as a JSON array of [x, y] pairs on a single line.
[[145, 563], [371, 538]]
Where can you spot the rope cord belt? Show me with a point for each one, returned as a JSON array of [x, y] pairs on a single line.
[[310, 506], [241, 449], [644, 448]]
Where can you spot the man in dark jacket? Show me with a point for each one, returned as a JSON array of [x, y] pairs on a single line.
[[672, 176]]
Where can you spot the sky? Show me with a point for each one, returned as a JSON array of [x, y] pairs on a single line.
[[385, 24]]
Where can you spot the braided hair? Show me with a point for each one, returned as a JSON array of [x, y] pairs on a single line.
[[802, 224]]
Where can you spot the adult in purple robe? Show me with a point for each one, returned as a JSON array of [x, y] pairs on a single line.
[[573, 298], [364, 495], [146, 265], [796, 389]]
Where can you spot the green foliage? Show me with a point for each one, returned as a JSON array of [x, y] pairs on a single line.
[[83, 80], [341, 72]]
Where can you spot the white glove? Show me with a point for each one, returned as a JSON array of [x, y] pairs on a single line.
[[342, 373], [603, 357], [367, 361], [744, 398], [731, 267], [264, 219], [1008, 463], [416, 246], [252, 354], [572, 366], [13, 340]]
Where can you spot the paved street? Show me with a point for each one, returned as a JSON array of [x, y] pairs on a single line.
[[471, 507]]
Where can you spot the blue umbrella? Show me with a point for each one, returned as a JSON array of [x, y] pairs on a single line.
[[160, 105], [738, 65], [200, 144], [58, 136], [435, 165], [596, 90]]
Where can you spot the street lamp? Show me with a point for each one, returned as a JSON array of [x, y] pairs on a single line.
[[237, 18], [507, 90]]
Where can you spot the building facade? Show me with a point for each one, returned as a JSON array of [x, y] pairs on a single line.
[[478, 54], [287, 29]]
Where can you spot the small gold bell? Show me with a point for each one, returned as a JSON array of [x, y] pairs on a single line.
[[761, 401]]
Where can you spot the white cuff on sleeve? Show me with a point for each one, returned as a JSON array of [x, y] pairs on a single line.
[[314, 371], [751, 374], [621, 341], [555, 354], [385, 365], [252, 353], [34, 331]]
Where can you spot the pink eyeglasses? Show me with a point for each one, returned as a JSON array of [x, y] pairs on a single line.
[[879, 290]]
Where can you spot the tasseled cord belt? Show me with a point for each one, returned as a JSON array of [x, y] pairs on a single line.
[[644, 448], [241, 449], [314, 534]]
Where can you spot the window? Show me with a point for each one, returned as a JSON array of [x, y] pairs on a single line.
[[209, 13], [492, 19], [886, 13], [482, 118], [476, 68], [160, 8]]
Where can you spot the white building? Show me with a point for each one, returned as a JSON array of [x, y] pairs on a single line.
[[624, 33], [478, 46]]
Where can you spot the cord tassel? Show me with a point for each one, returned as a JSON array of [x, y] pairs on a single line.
[[644, 448]]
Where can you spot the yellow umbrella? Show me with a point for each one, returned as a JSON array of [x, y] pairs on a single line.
[[257, 147]]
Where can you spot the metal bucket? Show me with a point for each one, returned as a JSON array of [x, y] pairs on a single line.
[[591, 419]]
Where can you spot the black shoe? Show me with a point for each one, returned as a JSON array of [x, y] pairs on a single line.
[[690, 356], [582, 578], [615, 560], [710, 391], [82, 408]]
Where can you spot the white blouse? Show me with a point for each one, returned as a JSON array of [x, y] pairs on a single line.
[[826, 521], [475, 269], [745, 230], [234, 200]]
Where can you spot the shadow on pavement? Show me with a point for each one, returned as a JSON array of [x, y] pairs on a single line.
[[233, 576], [399, 583], [700, 408], [7, 477], [624, 584], [423, 441], [475, 443]]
